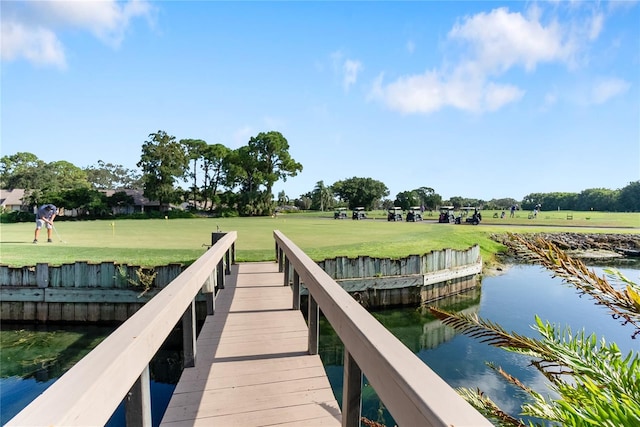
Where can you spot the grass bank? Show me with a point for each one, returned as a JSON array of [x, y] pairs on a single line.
[[158, 241]]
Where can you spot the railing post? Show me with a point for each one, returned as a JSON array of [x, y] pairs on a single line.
[[189, 335], [227, 258], [286, 271], [138, 402], [280, 259], [233, 253], [314, 325], [209, 292], [296, 290], [351, 392], [220, 273]]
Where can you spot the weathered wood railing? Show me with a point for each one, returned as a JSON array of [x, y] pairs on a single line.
[[118, 368], [409, 389]]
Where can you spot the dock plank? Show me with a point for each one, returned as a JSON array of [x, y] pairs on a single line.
[[252, 366]]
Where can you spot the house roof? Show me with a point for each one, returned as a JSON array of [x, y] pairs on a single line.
[[11, 197]]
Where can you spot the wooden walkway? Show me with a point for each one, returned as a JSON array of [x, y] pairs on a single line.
[[252, 366]]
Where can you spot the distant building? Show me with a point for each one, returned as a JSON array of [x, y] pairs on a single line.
[[11, 200], [140, 203]]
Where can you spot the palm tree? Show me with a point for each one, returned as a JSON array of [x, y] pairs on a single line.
[[322, 195]]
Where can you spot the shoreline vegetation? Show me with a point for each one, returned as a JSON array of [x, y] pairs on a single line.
[[154, 242]]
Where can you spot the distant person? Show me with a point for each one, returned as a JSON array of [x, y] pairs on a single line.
[[44, 217], [513, 211], [502, 215]]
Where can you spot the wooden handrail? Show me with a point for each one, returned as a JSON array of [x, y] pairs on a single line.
[[409, 389], [90, 392]]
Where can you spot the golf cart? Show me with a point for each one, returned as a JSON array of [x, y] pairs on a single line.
[[474, 219], [340, 213], [395, 214], [359, 213], [414, 214], [446, 215]]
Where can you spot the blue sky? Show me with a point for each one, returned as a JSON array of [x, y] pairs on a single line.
[[474, 99]]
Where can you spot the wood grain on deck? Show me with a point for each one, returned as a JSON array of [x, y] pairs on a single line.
[[252, 366]]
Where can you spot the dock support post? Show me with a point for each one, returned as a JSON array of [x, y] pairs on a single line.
[[209, 292], [233, 253], [351, 392], [138, 402], [189, 335], [220, 274], [296, 290], [314, 325], [227, 258], [286, 271]]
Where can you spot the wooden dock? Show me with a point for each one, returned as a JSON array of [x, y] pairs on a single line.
[[252, 365]]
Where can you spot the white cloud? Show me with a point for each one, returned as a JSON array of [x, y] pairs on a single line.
[[495, 96], [596, 25], [351, 69], [431, 91], [37, 45], [347, 69], [490, 45], [501, 39], [607, 89], [30, 29]]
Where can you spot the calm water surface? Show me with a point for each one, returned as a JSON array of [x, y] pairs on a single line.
[[31, 362]]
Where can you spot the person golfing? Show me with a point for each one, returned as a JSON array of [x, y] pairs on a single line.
[[44, 217]]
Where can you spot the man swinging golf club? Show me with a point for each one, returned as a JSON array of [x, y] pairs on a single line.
[[45, 216]]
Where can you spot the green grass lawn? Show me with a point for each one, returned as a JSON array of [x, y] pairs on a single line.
[[159, 242]]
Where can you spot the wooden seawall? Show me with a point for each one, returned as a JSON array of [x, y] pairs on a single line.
[[112, 292], [79, 292]]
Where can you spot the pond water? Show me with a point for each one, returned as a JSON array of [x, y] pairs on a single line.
[[33, 358]]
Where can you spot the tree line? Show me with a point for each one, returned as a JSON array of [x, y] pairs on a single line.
[[223, 181], [233, 182], [372, 194]]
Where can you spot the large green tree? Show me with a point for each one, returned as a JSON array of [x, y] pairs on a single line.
[[109, 176], [629, 197], [429, 199], [194, 148], [215, 170], [365, 192], [255, 167], [273, 160], [406, 199], [21, 170], [163, 162], [597, 199]]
